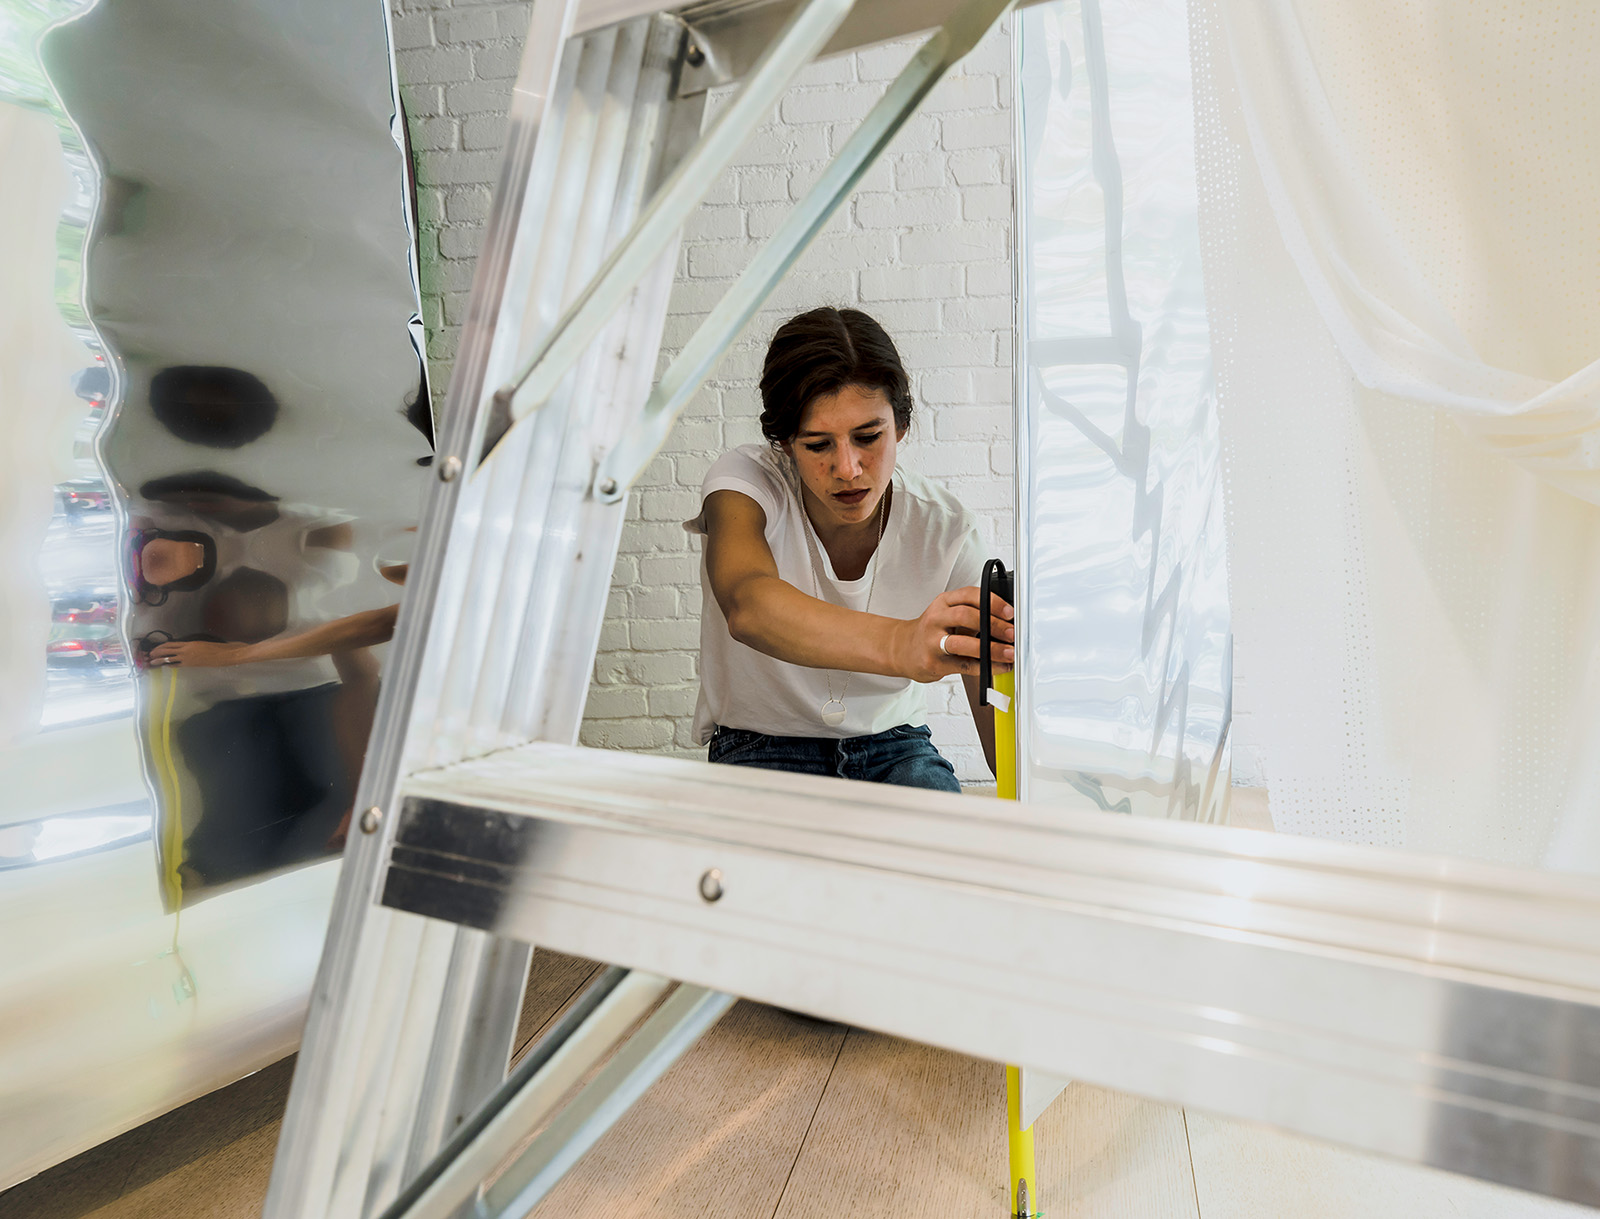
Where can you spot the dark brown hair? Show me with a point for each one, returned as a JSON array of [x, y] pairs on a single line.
[[821, 352]]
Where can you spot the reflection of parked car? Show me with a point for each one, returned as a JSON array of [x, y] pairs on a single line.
[[93, 383], [85, 608], [85, 646], [83, 499], [86, 653]]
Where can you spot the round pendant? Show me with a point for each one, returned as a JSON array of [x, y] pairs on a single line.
[[833, 713]]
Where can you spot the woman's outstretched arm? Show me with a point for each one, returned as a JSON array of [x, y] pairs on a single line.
[[363, 630], [769, 614]]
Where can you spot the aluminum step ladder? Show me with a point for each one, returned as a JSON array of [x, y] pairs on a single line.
[[400, 1103], [1353, 995]]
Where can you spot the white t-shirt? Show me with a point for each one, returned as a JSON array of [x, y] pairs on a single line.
[[930, 546]]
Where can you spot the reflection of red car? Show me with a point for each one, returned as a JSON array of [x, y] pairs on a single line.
[[80, 498], [100, 609], [85, 653]]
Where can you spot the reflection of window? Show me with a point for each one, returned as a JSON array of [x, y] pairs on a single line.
[[87, 672], [50, 839]]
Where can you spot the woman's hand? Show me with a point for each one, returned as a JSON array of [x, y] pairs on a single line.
[[953, 618], [199, 654]]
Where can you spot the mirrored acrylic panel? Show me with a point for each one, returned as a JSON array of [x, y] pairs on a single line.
[[1125, 687], [216, 409]]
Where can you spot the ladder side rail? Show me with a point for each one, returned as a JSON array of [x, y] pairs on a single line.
[[644, 1058], [486, 977], [581, 1038], [420, 1083], [394, 1071], [530, 529], [510, 524], [349, 976], [638, 129], [480, 989]]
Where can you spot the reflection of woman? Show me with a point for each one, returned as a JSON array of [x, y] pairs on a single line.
[[836, 581], [297, 729], [282, 703]]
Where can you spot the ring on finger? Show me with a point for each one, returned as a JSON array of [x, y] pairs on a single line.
[[944, 639]]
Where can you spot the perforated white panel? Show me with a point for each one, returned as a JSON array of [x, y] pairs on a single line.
[[1418, 618]]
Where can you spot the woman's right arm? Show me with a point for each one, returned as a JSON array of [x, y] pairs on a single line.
[[363, 630], [769, 614]]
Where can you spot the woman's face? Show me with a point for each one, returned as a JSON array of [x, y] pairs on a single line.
[[844, 452]]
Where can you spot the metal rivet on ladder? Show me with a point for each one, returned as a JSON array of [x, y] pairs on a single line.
[[371, 820], [711, 884], [449, 468], [608, 486], [694, 55]]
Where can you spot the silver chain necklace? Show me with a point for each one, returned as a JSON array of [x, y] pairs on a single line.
[[833, 711]]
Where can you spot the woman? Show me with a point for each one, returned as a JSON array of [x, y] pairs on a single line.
[[836, 583]]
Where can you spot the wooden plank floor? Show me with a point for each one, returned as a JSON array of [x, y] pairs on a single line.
[[720, 1133], [776, 1116]]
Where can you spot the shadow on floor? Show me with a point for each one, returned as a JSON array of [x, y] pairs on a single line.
[[112, 1181]]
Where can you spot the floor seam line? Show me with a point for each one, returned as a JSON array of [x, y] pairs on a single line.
[[521, 1051], [1188, 1146], [800, 1147]]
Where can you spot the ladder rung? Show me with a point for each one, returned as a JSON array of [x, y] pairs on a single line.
[[1110, 950]]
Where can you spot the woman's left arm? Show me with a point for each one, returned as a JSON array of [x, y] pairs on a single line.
[[983, 718]]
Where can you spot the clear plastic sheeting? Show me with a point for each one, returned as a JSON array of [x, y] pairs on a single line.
[[1123, 595]]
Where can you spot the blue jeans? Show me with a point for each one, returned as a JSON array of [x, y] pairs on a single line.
[[903, 755]]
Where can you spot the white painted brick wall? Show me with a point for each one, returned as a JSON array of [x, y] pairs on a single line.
[[923, 246]]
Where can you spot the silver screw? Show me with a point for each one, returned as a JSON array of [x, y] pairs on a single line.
[[449, 469], [711, 885], [608, 487], [371, 820]]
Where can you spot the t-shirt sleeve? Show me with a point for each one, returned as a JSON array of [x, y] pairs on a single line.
[[736, 470], [970, 558]]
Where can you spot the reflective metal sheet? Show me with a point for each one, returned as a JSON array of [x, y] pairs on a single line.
[[1125, 651], [216, 413]]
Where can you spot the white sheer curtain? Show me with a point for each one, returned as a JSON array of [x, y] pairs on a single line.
[[1417, 153], [1403, 267]]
